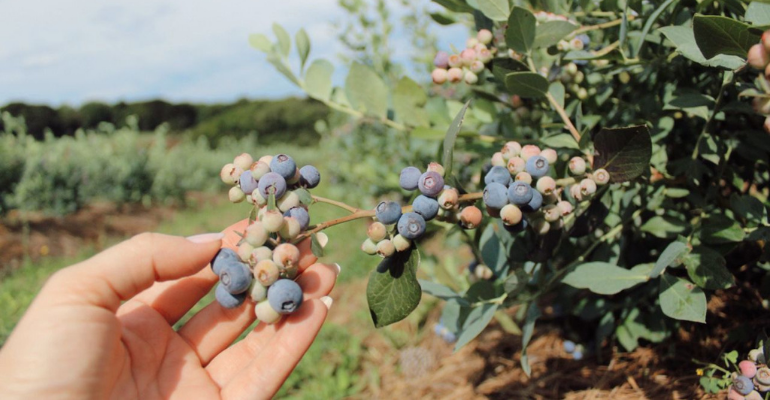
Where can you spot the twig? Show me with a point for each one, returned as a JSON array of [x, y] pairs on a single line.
[[319, 199]]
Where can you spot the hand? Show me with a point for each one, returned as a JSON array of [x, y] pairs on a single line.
[[103, 328]]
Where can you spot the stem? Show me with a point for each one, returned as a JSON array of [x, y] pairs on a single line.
[[319, 199], [727, 79], [601, 26], [496, 300], [359, 114], [556, 106], [468, 197]]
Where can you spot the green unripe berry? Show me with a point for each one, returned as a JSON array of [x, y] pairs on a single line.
[[256, 235], [265, 313], [291, 228], [236, 195], [369, 247], [272, 220], [401, 243]]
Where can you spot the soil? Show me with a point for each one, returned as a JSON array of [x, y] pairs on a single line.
[[487, 368]]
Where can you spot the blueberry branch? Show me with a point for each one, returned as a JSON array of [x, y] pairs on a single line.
[[319, 199], [556, 106]]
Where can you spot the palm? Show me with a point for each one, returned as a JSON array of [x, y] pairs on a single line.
[[96, 347]]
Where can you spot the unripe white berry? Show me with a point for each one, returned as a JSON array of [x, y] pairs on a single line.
[[484, 36], [516, 165], [272, 220], [510, 214], [244, 251], [601, 176], [256, 235], [577, 165], [498, 160], [377, 231], [511, 149], [524, 177], [261, 254], [546, 185], [448, 198], [455, 61], [288, 201], [528, 151], [455, 74], [541, 226], [386, 248], [230, 174], [587, 187], [401, 243], [439, 76], [291, 228], [565, 207], [236, 195], [471, 43], [551, 213], [265, 313], [550, 155], [436, 167], [259, 169], [369, 247], [243, 161], [471, 78], [574, 190]]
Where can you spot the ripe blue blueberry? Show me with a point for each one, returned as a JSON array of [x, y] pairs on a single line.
[[743, 385], [247, 182], [425, 206], [284, 296], [520, 193], [227, 299], [535, 203], [309, 177], [449, 337], [537, 166], [577, 355], [388, 212], [431, 184], [223, 257], [409, 178], [569, 346], [411, 225], [272, 182], [301, 215], [498, 174], [235, 277], [495, 195], [283, 165]]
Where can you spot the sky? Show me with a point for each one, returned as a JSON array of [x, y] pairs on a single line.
[[70, 52]]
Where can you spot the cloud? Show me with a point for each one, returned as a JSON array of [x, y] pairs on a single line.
[[183, 50]]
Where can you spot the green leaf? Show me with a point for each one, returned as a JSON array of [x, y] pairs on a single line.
[[680, 299], [477, 320], [426, 133], [560, 141], [284, 40], [684, 40], [748, 208], [717, 35], [304, 196], [442, 19], [556, 90], [455, 5], [492, 252], [603, 278], [284, 69], [676, 193], [707, 268], [318, 80], [442, 292], [719, 229], [648, 25], [260, 42], [664, 227], [253, 214], [516, 282], [551, 32], [672, 256], [315, 246], [393, 291], [366, 91], [449, 139], [409, 103], [520, 34], [533, 313], [758, 13], [496, 10], [526, 84], [504, 66], [624, 152], [303, 46]]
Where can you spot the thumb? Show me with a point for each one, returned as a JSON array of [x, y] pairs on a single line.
[[124, 270]]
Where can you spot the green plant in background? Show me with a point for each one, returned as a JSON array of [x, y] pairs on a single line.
[[654, 93]]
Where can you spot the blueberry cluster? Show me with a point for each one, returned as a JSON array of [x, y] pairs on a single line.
[[518, 185], [467, 65], [753, 379], [436, 200], [571, 77], [575, 350], [759, 58], [266, 262]]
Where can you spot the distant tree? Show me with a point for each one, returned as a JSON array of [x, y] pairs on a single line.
[[70, 119], [37, 117], [94, 112]]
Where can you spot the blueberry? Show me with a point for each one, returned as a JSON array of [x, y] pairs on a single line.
[[498, 174], [520, 193], [425, 206], [439, 329], [441, 60], [285, 296], [409, 178], [569, 346], [247, 182], [449, 337], [301, 215], [535, 203], [431, 183], [470, 217], [283, 165], [495, 195], [223, 257], [309, 177], [411, 225], [227, 299], [743, 385], [388, 212], [577, 355], [271, 182], [235, 277], [537, 166]]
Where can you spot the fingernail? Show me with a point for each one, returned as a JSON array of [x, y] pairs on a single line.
[[327, 301], [339, 269], [206, 237]]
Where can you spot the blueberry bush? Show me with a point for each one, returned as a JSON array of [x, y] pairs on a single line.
[[606, 158]]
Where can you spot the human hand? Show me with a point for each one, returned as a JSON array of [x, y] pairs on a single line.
[[103, 328]]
